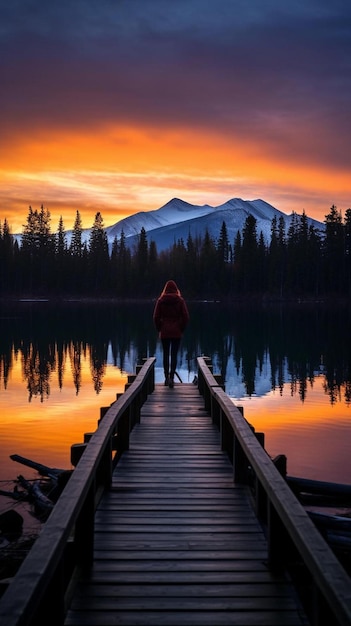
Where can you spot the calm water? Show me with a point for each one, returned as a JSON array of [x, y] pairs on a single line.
[[290, 368]]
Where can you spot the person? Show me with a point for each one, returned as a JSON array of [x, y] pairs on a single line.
[[170, 317]]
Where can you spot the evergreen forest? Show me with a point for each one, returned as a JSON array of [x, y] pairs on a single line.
[[300, 263]]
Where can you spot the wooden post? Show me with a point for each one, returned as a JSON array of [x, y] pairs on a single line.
[[278, 540], [240, 465], [280, 462], [77, 450], [103, 411], [260, 438]]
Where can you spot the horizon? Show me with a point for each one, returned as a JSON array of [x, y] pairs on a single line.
[[54, 227], [119, 107]]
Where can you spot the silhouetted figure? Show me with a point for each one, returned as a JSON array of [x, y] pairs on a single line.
[[170, 318]]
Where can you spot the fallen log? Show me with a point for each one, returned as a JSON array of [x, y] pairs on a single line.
[[320, 492], [43, 470], [39, 498]]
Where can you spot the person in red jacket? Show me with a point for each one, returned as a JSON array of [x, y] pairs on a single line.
[[170, 317]]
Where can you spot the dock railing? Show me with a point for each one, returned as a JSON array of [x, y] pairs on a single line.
[[289, 530], [40, 590]]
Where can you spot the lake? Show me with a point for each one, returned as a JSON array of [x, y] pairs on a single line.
[[288, 366]]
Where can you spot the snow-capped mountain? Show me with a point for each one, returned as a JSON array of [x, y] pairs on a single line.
[[178, 219]]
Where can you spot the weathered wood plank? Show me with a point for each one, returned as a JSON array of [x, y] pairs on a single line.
[[176, 542], [231, 590], [105, 564], [194, 604], [164, 617]]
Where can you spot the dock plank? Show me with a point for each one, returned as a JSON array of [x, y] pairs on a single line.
[[176, 541]]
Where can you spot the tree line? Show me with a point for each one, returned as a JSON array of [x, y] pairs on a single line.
[[299, 261]]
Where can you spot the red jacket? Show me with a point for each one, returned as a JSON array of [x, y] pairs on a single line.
[[170, 316]]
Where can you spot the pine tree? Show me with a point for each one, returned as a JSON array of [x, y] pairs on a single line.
[[237, 265], [153, 266], [223, 260], [125, 264], [38, 250], [207, 275], [6, 258], [223, 247], [314, 260], [261, 263], [76, 279], [141, 262], [98, 256], [249, 256], [293, 281], [334, 251], [76, 240], [61, 257], [347, 249], [61, 239], [192, 265]]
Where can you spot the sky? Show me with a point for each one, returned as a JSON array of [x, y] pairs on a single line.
[[118, 106]]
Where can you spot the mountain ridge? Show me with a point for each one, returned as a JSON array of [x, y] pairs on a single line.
[[177, 219]]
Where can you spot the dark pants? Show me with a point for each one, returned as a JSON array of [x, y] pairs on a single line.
[[170, 347]]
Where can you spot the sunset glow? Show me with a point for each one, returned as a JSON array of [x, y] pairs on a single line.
[[42, 430], [132, 104], [308, 432]]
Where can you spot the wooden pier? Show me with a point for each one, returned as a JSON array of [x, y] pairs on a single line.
[[176, 542], [176, 515]]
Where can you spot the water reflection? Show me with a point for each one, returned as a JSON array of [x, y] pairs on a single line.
[[49, 340], [295, 343], [289, 367]]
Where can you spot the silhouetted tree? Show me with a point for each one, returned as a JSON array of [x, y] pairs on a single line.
[[249, 256], [207, 263], [333, 250], [98, 257], [38, 248], [61, 255], [7, 258], [347, 249], [76, 274]]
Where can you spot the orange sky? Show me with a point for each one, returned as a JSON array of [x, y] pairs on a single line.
[[117, 109], [124, 170]]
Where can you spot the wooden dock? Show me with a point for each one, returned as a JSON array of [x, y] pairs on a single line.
[[176, 542]]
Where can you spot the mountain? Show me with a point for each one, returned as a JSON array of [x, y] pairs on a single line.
[[178, 219]]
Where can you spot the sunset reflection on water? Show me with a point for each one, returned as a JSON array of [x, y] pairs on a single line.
[[314, 435], [290, 372], [43, 429]]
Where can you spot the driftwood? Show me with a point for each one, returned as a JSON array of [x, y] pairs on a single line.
[[58, 477], [43, 470], [321, 493], [41, 501]]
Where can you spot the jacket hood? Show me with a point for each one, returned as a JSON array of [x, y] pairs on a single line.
[[170, 287]]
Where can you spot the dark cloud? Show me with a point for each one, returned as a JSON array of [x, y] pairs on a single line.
[[267, 69]]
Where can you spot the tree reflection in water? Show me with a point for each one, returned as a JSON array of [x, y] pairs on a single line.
[[298, 341]]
